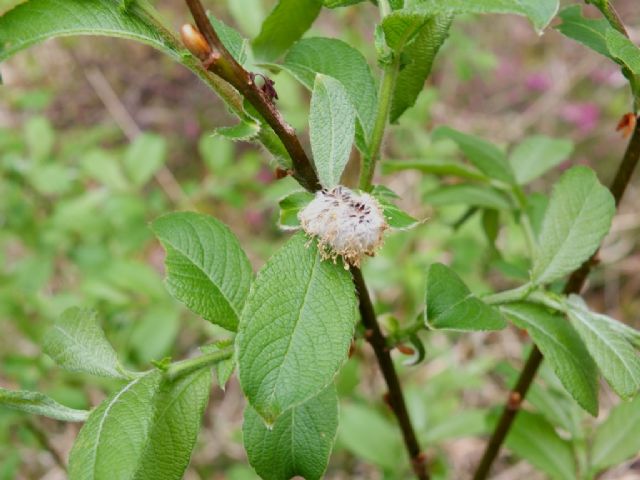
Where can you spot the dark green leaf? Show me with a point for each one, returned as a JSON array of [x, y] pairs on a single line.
[[450, 304], [535, 440], [297, 299], [286, 23], [207, 269], [562, 349], [614, 355], [485, 156], [340, 3], [577, 219], [300, 441], [77, 343], [39, 404], [332, 123]]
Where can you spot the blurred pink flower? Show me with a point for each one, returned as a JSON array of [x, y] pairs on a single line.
[[538, 82], [584, 116]]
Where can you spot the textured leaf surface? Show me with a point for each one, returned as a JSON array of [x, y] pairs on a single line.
[[395, 216], [485, 156], [535, 440], [339, 60], [234, 42], [617, 438], [77, 343], [207, 269], [286, 23], [145, 431], [536, 155], [296, 328], [588, 31], [39, 404], [37, 20], [562, 349], [577, 219], [417, 38], [474, 195], [300, 441], [290, 206], [450, 304], [539, 12], [332, 127], [614, 355]]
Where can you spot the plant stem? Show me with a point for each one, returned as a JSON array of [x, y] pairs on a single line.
[[395, 397], [185, 367], [507, 296], [573, 286], [227, 68]]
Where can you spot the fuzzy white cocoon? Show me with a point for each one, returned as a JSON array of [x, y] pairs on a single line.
[[345, 223]]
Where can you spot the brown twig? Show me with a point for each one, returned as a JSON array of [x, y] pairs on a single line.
[[395, 397], [573, 286], [224, 65]]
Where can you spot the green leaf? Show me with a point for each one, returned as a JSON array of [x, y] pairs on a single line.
[[465, 423], [147, 430], [617, 438], [332, 124], [430, 32], [588, 31], [536, 155], [225, 368], [534, 439], [614, 355], [39, 404], [341, 3], [234, 42], [370, 436], [144, 157], [296, 300], [577, 219], [290, 206], [623, 50], [339, 60], [474, 195], [435, 167], [248, 15], [539, 12], [562, 349], [300, 441], [77, 343], [37, 20], [395, 216], [241, 132], [286, 23], [485, 156], [103, 167], [207, 269], [450, 304]]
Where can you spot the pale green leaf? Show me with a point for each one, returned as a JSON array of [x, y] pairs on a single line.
[[241, 132], [612, 352], [207, 269], [588, 31], [337, 59], [562, 349], [535, 440], [395, 216], [623, 50], [286, 23], [485, 156], [104, 167], [331, 129], [539, 12], [300, 441], [577, 219], [617, 438], [296, 328], [418, 55], [290, 206], [248, 15], [434, 167], [234, 42], [39, 404], [77, 343], [450, 304], [536, 155], [467, 194], [144, 157], [147, 430]]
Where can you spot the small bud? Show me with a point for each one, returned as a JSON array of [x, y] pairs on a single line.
[[282, 173], [195, 42], [405, 350], [627, 125]]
